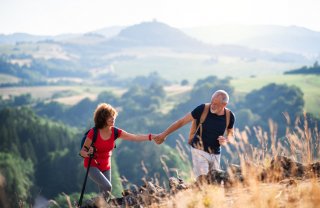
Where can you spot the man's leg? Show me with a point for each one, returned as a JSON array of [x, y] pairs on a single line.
[[200, 165], [214, 166], [215, 162]]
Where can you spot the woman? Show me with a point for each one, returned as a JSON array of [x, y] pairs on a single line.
[[100, 167]]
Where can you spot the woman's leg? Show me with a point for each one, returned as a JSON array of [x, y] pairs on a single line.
[[102, 179]]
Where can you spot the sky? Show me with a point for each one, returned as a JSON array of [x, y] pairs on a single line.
[[53, 17]]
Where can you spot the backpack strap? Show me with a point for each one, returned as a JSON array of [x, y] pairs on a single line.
[[116, 135], [194, 127], [95, 135], [227, 112], [203, 117]]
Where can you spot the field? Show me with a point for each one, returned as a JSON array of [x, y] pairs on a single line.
[[8, 79], [309, 84], [70, 95], [193, 67]]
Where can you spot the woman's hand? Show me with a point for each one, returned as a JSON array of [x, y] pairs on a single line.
[[159, 138], [91, 151]]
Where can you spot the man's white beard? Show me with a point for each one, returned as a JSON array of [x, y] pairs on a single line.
[[213, 111]]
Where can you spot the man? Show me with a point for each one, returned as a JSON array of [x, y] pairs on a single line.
[[209, 136]]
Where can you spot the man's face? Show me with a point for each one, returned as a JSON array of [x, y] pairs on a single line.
[[216, 104]]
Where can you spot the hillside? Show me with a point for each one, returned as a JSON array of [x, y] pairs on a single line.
[[125, 52], [309, 84], [268, 37], [156, 34]]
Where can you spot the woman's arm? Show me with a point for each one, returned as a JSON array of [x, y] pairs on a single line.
[[86, 150], [135, 137]]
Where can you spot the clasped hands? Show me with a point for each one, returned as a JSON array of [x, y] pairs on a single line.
[[159, 138]]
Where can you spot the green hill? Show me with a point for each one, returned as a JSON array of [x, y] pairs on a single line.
[[309, 84]]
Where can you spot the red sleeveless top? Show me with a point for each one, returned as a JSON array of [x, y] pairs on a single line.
[[102, 156]]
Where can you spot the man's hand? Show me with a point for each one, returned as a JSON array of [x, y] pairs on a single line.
[[159, 138], [222, 140]]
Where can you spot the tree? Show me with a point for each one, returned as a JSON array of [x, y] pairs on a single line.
[[18, 179], [184, 82], [272, 101]]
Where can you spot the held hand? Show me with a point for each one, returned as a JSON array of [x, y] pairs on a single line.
[[159, 138], [153, 136], [222, 140]]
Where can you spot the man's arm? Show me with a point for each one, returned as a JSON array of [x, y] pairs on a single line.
[[173, 127], [230, 135]]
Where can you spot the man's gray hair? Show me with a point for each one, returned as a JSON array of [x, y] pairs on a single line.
[[224, 95]]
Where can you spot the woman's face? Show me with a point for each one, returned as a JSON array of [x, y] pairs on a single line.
[[111, 120]]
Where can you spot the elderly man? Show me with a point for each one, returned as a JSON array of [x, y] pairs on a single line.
[[210, 122]]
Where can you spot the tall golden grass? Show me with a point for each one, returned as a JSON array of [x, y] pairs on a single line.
[[301, 144]]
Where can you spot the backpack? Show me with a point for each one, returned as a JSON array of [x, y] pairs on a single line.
[[95, 135], [194, 128]]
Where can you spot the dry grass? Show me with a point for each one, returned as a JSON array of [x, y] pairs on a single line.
[[278, 190], [256, 194]]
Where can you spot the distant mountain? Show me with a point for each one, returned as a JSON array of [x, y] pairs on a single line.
[[22, 37], [156, 34], [265, 37], [250, 44], [154, 47], [109, 32]]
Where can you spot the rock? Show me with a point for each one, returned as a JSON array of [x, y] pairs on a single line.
[[283, 167], [176, 184]]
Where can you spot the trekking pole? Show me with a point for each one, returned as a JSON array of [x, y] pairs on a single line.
[[85, 179]]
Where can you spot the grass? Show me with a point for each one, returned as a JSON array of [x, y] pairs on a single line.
[[272, 193], [303, 194], [309, 84], [46, 92], [177, 67], [278, 190], [77, 93], [4, 78]]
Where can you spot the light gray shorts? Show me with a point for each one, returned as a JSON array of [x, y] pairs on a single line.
[[204, 162]]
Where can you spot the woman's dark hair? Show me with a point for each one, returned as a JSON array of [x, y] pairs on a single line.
[[102, 113]]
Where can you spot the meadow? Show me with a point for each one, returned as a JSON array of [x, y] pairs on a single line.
[[70, 95], [309, 84], [178, 66]]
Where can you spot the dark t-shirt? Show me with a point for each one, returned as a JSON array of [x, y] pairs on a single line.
[[213, 127]]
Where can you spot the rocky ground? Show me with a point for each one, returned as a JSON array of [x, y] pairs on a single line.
[[282, 170]]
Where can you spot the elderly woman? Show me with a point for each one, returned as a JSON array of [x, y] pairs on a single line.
[[100, 167]]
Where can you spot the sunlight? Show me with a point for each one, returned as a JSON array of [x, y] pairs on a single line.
[[74, 16]]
